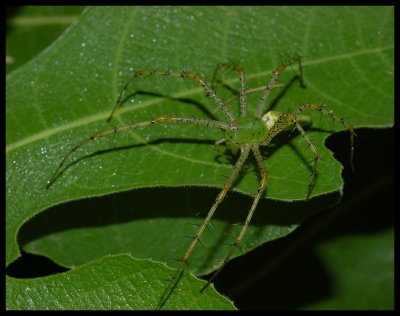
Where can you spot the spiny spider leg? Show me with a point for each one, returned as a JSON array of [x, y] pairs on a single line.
[[231, 66], [334, 117], [283, 122], [242, 81], [314, 172], [218, 148], [260, 192], [245, 149], [186, 75], [252, 90], [287, 120], [331, 114], [157, 120], [272, 82], [268, 88], [242, 135]]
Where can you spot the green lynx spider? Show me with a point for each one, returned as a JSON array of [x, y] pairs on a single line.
[[243, 135]]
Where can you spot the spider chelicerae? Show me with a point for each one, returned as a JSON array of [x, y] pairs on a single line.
[[244, 136]]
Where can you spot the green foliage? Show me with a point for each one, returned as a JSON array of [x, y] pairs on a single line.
[[67, 92], [352, 290], [30, 29], [109, 277]]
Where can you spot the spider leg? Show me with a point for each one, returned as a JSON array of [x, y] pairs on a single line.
[[334, 117], [260, 192], [185, 75], [236, 169], [314, 172], [220, 66], [319, 108], [249, 91], [218, 148], [157, 120], [287, 119], [242, 80], [272, 82], [284, 121]]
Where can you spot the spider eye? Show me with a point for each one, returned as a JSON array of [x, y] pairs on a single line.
[[234, 127]]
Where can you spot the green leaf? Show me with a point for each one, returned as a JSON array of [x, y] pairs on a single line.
[[351, 288], [115, 224], [65, 95], [112, 283], [30, 29]]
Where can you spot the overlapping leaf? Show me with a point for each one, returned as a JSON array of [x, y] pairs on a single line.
[[66, 94]]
